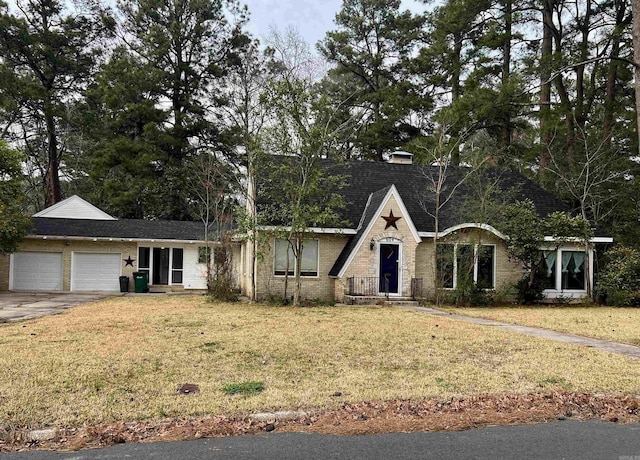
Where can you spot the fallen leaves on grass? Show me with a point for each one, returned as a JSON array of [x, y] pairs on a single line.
[[357, 419], [122, 359]]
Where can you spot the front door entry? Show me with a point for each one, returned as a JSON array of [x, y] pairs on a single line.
[[160, 266], [389, 261]]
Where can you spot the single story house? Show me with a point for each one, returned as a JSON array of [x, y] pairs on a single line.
[[386, 249], [74, 246]]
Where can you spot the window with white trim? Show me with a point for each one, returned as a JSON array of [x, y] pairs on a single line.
[[164, 266], [285, 261], [458, 261], [563, 270], [446, 254], [485, 263], [204, 254], [144, 260], [573, 270], [177, 266], [547, 272], [464, 263]]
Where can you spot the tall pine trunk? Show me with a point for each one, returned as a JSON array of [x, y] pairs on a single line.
[[636, 58], [506, 65], [545, 83], [51, 179]]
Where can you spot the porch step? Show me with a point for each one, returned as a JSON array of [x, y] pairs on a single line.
[[159, 288], [402, 303], [380, 300]]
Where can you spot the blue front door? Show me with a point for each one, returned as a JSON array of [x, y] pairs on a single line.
[[389, 258]]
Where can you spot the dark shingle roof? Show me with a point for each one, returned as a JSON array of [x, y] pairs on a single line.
[[412, 182], [121, 228], [371, 207]]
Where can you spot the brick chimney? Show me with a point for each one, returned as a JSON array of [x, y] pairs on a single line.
[[400, 158]]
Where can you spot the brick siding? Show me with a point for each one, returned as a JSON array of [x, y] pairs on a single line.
[[67, 248]]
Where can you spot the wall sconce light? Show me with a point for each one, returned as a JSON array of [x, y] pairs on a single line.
[[372, 244]]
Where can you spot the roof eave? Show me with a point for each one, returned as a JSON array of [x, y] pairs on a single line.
[[116, 238]]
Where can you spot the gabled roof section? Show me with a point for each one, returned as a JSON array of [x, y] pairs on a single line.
[[74, 208], [414, 185], [375, 204]]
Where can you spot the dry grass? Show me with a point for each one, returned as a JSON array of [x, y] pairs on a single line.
[[123, 359], [607, 323]]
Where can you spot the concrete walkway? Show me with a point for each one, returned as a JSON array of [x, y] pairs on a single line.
[[19, 306], [603, 345]]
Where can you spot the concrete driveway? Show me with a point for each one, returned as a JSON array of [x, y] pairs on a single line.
[[18, 306]]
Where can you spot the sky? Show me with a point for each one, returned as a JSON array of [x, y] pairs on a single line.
[[312, 18]]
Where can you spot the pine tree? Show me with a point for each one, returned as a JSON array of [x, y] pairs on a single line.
[[372, 48], [47, 54]]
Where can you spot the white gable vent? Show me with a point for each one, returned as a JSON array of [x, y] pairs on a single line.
[[400, 158], [74, 208]]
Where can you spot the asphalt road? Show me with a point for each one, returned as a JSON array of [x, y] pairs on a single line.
[[557, 440]]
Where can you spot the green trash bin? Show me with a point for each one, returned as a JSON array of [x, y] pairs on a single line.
[[141, 282]]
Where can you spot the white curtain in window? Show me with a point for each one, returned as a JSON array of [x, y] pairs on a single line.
[[566, 260], [578, 258], [550, 259]]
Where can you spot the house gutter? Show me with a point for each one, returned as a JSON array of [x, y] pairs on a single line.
[[337, 231], [595, 239], [109, 239]]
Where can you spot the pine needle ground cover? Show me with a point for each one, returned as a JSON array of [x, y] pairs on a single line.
[[123, 359], [608, 323]]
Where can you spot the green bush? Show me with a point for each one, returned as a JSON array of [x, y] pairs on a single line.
[[222, 289], [467, 293], [619, 281], [528, 294]]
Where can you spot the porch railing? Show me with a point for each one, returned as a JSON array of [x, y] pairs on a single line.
[[374, 286], [367, 286]]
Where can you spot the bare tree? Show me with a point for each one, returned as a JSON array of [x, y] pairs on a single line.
[[301, 131], [212, 205], [247, 114], [441, 186], [594, 177]]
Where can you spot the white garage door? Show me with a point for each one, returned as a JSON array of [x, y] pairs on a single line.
[[37, 271], [95, 272]]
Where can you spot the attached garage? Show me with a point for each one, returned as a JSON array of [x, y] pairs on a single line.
[[95, 271], [36, 271], [74, 246]]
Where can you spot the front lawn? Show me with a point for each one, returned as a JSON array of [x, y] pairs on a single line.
[[608, 323], [124, 359]]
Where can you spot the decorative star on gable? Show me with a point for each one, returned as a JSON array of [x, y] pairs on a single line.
[[129, 261], [391, 220]]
